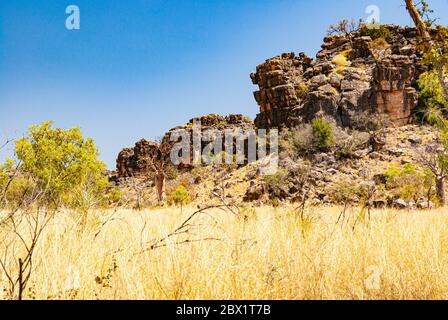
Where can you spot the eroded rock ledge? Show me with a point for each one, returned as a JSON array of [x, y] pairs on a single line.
[[350, 76]]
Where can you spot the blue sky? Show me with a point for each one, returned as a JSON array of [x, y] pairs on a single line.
[[137, 68]]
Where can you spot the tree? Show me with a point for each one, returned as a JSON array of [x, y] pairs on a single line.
[[433, 91], [430, 47], [344, 27], [419, 22], [62, 162], [180, 196], [158, 163]]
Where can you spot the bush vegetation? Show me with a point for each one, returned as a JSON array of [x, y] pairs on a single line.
[[60, 162], [322, 133], [375, 33], [180, 196], [409, 183]]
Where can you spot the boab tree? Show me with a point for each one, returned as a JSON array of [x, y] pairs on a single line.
[[158, 163]]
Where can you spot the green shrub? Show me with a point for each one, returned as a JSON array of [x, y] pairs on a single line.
[[408, 182], [62, 164], [114, 196], [180, 196], [346, 191], [381, 32], [296, 142], [323, 133]]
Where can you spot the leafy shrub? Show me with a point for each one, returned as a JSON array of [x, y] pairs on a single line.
[[366, 121], [307, 139], [62, 163], [180, 196], [323, 133], [296, 141], [114, 196], [431, 96], [347, 142], [381, 32], [409, 183], [346, 191]]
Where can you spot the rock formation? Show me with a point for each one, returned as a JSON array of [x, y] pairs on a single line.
[[135, 162], [351, 75]]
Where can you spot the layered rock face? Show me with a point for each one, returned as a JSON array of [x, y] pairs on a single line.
[[351, 75], [135, 162]]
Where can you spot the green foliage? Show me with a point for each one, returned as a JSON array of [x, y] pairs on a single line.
[[431, 96], [381, 32], [114, 196], [296, 142], [320, 135], [408, 182], [392, 173], [63, 163], [346, 191], [323, 133], [180, 196]]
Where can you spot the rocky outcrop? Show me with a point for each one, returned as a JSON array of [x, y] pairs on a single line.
[[350, 76], [137, 161]]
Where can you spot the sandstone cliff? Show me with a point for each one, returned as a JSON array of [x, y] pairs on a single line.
[[351, 76]]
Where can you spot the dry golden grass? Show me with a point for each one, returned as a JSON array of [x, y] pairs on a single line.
[[271, 254]]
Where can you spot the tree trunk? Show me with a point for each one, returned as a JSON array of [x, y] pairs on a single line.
[[441, 190], [419, 23], [426, 37], [20, 280], [160, 186]]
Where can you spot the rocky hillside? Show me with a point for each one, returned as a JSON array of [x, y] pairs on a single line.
[[365, 83]]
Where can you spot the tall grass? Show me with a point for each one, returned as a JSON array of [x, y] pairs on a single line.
[[270, 254]]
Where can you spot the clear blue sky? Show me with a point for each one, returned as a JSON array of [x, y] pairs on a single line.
[[137, 68]]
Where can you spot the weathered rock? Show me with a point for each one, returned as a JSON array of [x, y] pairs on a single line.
[[377, 141], [400, 204], [375, 80], [415, 140], [425, 204], [379, 203], [137, 161]]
